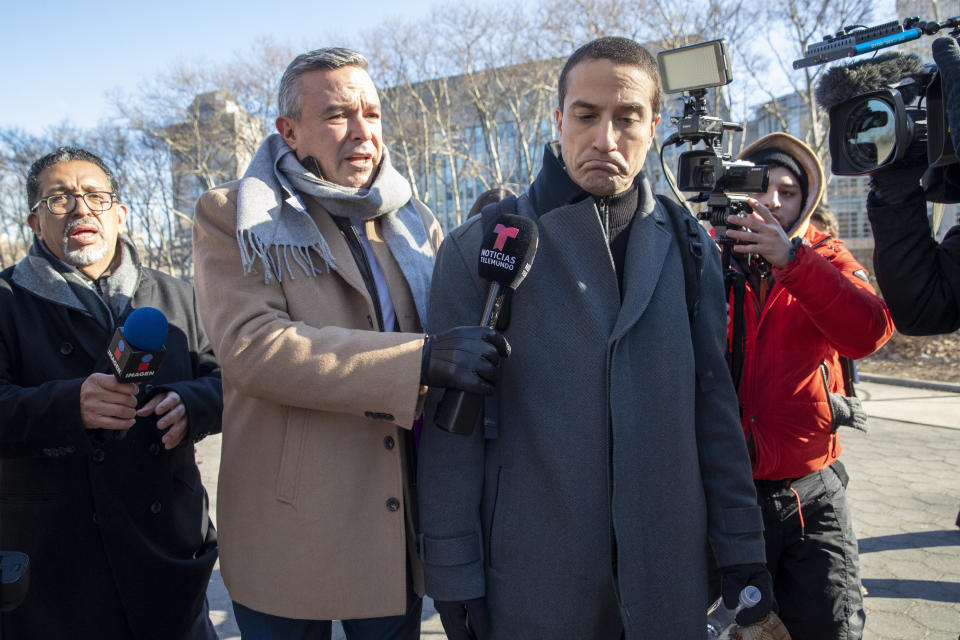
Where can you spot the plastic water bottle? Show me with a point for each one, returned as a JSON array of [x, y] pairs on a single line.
[[721, 621]]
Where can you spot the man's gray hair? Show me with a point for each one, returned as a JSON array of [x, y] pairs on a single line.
[[288, 99]]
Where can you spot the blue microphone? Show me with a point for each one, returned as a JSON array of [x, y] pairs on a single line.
[[137, 350]]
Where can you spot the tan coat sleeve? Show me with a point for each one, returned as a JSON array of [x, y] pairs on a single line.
[[266, 353]]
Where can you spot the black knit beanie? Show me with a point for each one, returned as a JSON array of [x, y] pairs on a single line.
[[779, 158]]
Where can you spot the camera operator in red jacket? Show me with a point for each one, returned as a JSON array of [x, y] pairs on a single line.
[[808, 303]]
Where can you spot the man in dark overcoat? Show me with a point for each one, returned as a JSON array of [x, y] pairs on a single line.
[[98, 481], [583, 511]]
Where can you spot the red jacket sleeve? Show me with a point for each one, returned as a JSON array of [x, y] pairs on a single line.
[[833, 290]]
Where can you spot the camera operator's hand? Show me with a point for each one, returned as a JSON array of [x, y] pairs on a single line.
[[896, 182], [765, 236], [465, 358]]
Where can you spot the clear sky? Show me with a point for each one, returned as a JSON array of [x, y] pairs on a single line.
[[59, 59]]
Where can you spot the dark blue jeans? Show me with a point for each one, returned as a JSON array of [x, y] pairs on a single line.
[[812, 556], [255, 625]]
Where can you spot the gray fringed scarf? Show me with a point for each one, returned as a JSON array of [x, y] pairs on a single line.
[[48, 277], [274, 226]]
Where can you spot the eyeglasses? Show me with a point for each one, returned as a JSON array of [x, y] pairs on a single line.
[[61, 204]]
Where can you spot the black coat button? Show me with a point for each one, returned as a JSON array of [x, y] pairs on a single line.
[[96, 520], [388, 442], [155, 507], [66, 348], [154, 449], [393, 504], [99, 455]]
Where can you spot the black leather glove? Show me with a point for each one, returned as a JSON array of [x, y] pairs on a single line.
[[735, 577], [895, 183], [465, 358], [465, 620]]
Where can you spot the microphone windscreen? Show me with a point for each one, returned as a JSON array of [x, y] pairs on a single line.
[[146, 329], [946, 53], [508, 249], [841, 83]]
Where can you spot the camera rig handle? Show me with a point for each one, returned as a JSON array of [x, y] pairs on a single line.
[[856, 40], [697, 126]]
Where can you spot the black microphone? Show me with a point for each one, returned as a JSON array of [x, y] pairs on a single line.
[[506, 255], [137, 350], [843, 82]]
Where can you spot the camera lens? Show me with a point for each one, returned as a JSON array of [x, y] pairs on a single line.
[[703, 178], [869, 137]]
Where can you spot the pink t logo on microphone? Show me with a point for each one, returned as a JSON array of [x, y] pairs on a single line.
[[502, 234]]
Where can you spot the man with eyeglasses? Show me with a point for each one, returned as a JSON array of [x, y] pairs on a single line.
[[98, 480]]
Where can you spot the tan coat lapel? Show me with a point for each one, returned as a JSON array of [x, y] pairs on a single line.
[[344, 263], [400, 295]]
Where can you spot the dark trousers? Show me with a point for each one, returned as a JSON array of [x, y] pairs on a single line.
[[202, 628], [255, 625], [812, 556]]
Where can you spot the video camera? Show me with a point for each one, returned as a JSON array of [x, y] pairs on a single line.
[[716, 176], [889, 109], [693, 69]]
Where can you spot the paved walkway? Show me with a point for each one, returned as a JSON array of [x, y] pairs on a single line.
[[904, 493]]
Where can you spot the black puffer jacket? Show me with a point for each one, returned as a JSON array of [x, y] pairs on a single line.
[[919, 279], [120, 542]]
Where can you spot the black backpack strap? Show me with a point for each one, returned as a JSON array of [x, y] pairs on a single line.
[[687, 231], [849, 370]]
